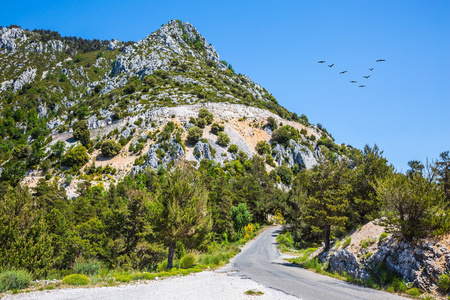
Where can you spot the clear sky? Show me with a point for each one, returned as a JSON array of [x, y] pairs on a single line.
[[404, 108]]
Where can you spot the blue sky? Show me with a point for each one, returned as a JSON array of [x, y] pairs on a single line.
[[404, 107]]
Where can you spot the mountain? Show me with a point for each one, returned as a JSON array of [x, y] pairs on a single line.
[[144, 98]]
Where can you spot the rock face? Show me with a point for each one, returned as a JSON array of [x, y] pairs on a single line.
[[114, 44], [8, 38], [296, 154], [418, 264], [157, 156], [25, 77], [203, 150]]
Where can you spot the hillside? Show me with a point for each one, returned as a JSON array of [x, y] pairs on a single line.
[[129, 92]]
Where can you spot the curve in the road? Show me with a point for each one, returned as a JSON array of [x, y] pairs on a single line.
[[261, 261]]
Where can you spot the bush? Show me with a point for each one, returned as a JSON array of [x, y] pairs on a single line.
[[347, 242], [88, 267], [285, 174], [284, 134], [233, 149], [413, 292], [76, 279], [223, 139], [14, 279], [81, 132], [76, 157], [194, 134], [262, 147], [110, 148], [201, 123], [206, 114], [383, 236], [444, 282], [216, 128], [188, 261], [272, 123]]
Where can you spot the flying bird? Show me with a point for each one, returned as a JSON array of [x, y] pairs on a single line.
[[362, 86], [343, 72], [380, 60], [331, 65], [366, 77], [352, 81], [321, 61], [371, 69]]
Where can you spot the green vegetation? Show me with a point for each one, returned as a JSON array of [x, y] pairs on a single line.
[[223, 139], [76, 279], [444, 282], [110, 148], [14, 280], [76, 157], [194, 135], [284, 134], [81, 133]]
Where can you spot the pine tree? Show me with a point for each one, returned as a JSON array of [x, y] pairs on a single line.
[[179, 211]]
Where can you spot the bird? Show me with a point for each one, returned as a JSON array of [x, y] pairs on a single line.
[[352, 81], [366, 77], [331, 65], [343, 72], [380, 60], [362, 86], [370, 69], [321, 61]]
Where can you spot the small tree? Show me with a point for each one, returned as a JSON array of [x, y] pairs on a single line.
[[206, 114], [240, 217], [179, 211], [272, 123], [76, 157], [284, 134], [194, 134], [110, 148], [216, 128], [223, 139], [413, 203], [262, 147], [81, 133]]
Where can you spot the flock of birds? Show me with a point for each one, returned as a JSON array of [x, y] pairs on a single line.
[[354, 81]]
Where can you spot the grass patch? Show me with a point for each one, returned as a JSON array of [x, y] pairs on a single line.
[[254, 293], [76, 279], [14, 279]]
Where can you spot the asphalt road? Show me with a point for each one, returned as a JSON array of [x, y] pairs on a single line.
[[262, 262]]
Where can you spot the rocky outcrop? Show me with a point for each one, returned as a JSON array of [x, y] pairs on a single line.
[[419, 264], [114, 44], [295, 154], [157, 156], [25, 77], [8, 38], [203, 150]]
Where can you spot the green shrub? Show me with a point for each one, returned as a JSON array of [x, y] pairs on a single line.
[[399, 285], [347, 242], [206, 114], [76, 279], [272, 123], [201, 123], [188, 261], [194, 135], [383, 236], [285, 174], [124, 277], [233, 149], [262, 147], [444, 282], [223, 139], [87, 267], [162, 266], [216, 128], [413, 292], [110, 148], [76, 157], [284, 134], [14, 279]]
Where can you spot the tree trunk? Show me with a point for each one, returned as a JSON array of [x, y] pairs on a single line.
[[326, 237], [170, 257]]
